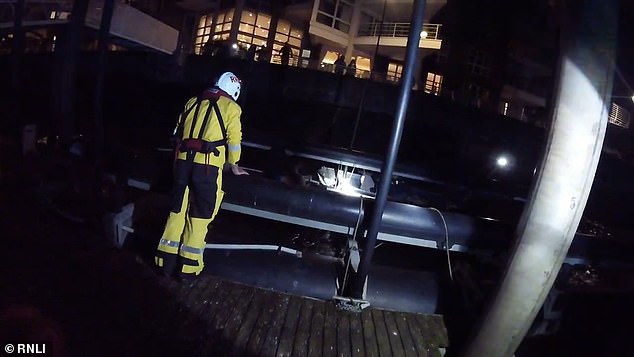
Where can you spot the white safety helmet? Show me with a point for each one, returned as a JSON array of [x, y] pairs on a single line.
[[229, 83]]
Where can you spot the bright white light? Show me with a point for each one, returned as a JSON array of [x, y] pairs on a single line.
[[345, 188], [502, 161], [235, 46], [632, 97], [423, 34]]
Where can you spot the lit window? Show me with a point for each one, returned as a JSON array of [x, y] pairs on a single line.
[[253, 29], [336, 14], [330, 57], [619, 116], [433, 83], [263, 21], [394, 71], [247, 17]]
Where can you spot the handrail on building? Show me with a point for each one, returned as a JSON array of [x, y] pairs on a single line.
[[397, 29]]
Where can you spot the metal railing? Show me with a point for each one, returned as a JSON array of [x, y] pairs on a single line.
[[397, 29]]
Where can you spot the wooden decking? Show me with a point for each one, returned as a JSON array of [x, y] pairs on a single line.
[[242, 320]]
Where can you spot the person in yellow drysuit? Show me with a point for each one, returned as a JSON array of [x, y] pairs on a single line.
[[208, 136]]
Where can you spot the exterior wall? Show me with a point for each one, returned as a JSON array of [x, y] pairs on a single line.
[[500, 32]]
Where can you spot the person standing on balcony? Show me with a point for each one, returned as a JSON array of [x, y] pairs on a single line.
[[340, 65], [352, 68], [286, 53], [251, 53], [263, 54], [208, 130]]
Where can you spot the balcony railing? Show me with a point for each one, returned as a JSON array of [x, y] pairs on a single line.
[[397, 29]]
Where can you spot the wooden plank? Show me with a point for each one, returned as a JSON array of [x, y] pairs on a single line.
[[173, 310], [356, 335], [382, 338], [426, 330], [440, 330], [392, 331], [190, 319], [417, 335], [369, 334], [215, 302], [248, 323], [300, 346], [226, 307], [287, 338], [317, 329], [227, 320], [269, 347], [406, 335], [262, 324], [330, 330], [238, 314], [197, 301], [211, 293], [217, 314], [343, 334]]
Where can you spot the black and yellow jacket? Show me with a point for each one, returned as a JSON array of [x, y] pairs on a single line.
[[230, 112]]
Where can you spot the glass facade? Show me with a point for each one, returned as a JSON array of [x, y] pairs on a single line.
[[287, 33], [336, 14], [253, 30], [220, 31]]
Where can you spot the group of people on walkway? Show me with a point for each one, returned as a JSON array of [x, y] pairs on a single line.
[[341, 68]]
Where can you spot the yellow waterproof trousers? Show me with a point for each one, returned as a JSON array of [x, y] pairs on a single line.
[[196, 198]]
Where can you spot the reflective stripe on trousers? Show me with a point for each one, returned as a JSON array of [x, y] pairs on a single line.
[[192, 250], [196, 200]]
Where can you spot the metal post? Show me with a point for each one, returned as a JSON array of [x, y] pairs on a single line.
[[104, 36], [65, 74], [561, 189], [17, 48], [235, 23], [395, 139], [367, 82], [17, 51]]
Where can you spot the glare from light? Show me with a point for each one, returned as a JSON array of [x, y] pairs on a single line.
[[502, 161], [235, 46], [632, 97], [423, 34], [347, 189]]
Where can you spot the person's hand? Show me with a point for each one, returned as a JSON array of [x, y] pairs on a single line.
[[237, 170]]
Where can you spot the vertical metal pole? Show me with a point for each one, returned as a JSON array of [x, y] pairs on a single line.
[[395, 140], [17, 50], [65, 74], [104, 36], [235, 23], [560, 192], [367, 82]]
